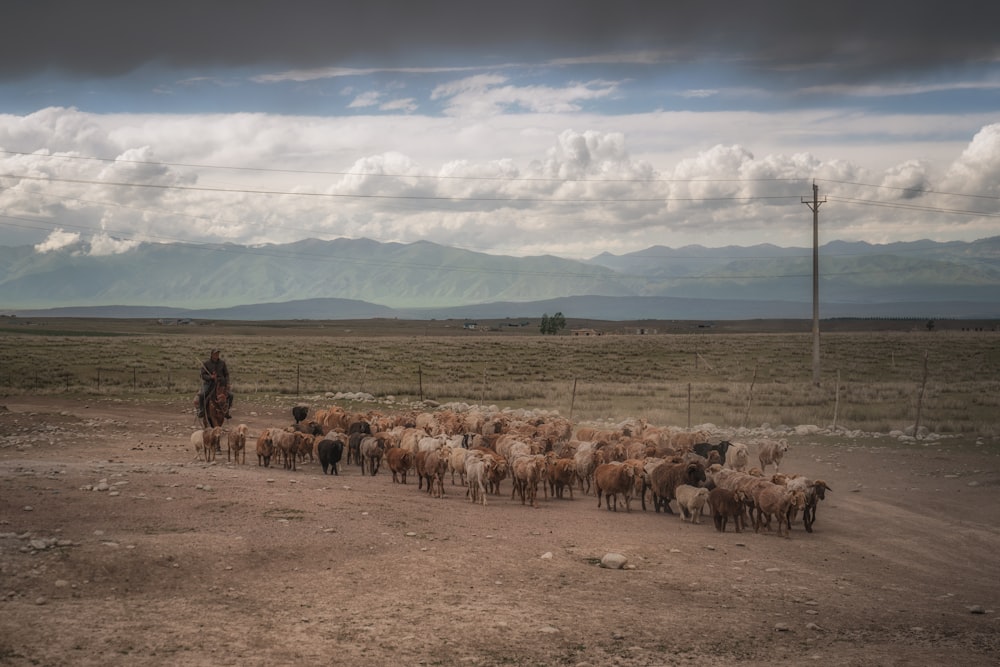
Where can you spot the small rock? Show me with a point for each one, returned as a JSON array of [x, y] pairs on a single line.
[[547, 555], [28, 508], [977, 609], [781, 627], [812, 626], [548, 630], [613, 561], [40, 600]]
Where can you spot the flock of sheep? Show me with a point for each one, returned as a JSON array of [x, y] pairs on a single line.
[[480, 449]]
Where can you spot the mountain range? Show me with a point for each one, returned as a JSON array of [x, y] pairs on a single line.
[[361, 278]]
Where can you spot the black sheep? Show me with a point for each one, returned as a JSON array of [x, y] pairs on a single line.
[[330, 452], [299, 413]]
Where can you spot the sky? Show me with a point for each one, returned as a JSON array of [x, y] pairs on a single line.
[[556, 127]]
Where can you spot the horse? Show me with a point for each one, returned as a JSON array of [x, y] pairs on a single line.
[[216, 406]]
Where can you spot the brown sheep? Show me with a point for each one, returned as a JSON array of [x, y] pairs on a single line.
[[400, 461], [665, 479], [610, 479], [211, 442], [286, 444], [560, 473], [726, 504], [237, 444], [526, 473], [777, 500], [265, 448], [434, 469]]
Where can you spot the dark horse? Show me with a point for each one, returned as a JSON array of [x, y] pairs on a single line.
[[216, 405]]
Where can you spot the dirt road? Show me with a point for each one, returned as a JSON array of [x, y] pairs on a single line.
[[116, 547]]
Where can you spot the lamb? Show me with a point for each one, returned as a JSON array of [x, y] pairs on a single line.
[[725, 504], [400, 461], [772, 451], [691, 501], [237, 443], [265, 448], [330, 451], [198, 442], [610, 479], [665, 479]]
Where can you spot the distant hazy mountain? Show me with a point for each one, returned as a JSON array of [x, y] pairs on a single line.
[[353, 279]]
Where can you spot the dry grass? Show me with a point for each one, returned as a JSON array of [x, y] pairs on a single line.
[[669, 379]]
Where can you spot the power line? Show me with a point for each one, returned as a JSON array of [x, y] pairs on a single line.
[[549, 200], [390, 175], [914, 190], [912, 207]]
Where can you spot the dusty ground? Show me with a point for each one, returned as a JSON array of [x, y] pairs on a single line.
[[185, 563]]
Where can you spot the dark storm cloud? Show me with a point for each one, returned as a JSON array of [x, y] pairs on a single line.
[[101, 38]]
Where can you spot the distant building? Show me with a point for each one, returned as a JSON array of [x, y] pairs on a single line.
[[471, 325], [586, 332]]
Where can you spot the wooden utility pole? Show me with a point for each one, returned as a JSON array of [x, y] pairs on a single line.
[[814, 207]]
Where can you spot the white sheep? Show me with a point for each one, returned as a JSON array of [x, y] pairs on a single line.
[[771, 451], [738, 456], [691, 501]]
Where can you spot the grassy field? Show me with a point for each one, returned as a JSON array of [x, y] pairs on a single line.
[[682, 375]]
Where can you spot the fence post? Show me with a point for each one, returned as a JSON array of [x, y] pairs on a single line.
[[572, 400], [689, 406], [753, 381], [420, 381], [920, 397], [836, 401]]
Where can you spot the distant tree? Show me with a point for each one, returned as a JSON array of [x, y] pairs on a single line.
[[930, 325], [552, 325]]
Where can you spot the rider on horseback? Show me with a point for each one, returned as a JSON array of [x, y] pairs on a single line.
[[212, 371]]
